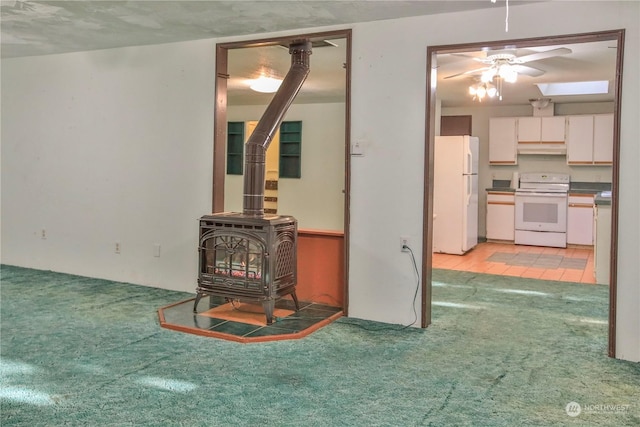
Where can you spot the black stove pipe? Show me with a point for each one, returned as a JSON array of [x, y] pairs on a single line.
[[258, 142]]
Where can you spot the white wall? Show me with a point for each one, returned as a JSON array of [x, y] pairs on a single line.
[[538, 163], [316, 200], [103, 147], [117, 145]]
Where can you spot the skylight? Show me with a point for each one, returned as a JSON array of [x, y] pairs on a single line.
[[574, 88]]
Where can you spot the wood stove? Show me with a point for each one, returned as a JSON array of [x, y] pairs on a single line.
[[250, 255], [248, 258]]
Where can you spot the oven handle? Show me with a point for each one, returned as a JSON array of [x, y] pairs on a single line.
[[557, 195]]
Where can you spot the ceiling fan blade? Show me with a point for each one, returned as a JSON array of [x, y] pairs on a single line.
[[470, 55], [527, 70], [466, 73], [543, 55]]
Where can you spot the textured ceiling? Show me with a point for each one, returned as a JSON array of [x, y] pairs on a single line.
[[31, 28], [47, 27]]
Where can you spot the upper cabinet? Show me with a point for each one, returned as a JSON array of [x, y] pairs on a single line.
[[580, 140], [603, 139], [590, 139], [541, 129], [585, 139], [529, 129], [509, 136], [553, 129], [503, 141]]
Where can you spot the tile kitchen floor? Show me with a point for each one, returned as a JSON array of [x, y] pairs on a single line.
[[566, 265]]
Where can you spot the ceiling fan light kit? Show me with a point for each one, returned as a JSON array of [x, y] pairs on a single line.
[[502, 69], [482, 89], [505, 65]]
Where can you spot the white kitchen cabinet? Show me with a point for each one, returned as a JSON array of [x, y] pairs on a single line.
[[541, 129], [502, 141], [553, 129], [501, 211], [580, 219], [590, 139], [580, 140], [602, 249], [529, 129], [603, 139]]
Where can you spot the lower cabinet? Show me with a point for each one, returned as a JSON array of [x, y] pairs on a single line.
[[580, 219], [501, 211], [602, 244], [501, 217]]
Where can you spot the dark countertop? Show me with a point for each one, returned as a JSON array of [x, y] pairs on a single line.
[[575, 187], [503, 189], [589, 187], [501, 185], [603, 198]]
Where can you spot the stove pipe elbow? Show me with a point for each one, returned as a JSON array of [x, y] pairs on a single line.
[[258, 142]]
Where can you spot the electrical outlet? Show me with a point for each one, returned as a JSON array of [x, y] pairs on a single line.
[[43, 234], [156, 250], [404, 241], [117, 247]]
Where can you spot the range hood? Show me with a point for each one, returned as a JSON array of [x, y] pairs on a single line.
[[543, 148]]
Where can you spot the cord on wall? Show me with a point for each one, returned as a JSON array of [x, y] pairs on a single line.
[[415, 295], [405, 248]]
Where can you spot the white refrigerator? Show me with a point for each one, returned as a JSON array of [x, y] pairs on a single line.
[[455, 194]]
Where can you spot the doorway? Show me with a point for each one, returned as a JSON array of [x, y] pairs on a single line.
[[327, 243], [434, 107]]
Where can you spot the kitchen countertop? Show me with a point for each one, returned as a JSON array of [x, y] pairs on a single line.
[[501, 185], [594, 188], [502, 189], [603, 198], [589, 187]]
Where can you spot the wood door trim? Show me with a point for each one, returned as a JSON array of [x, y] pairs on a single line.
[[610, 35], [219, 137]]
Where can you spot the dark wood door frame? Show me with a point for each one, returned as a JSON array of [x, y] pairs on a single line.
[[432, 51], [220, 129]]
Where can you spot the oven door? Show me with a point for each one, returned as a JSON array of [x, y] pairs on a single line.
[[540, 211]]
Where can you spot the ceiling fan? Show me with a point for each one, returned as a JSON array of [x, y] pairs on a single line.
[[507, 65]]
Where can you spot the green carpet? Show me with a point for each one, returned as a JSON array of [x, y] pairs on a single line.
[[501, 352]]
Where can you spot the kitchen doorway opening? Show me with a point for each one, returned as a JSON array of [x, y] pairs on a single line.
[[434, 108], [328, 244]]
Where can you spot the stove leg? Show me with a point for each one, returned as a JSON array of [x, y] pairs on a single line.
[[195, 304], [268, 310], [295, 300]]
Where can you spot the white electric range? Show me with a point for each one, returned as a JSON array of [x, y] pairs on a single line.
[[541, 209]]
